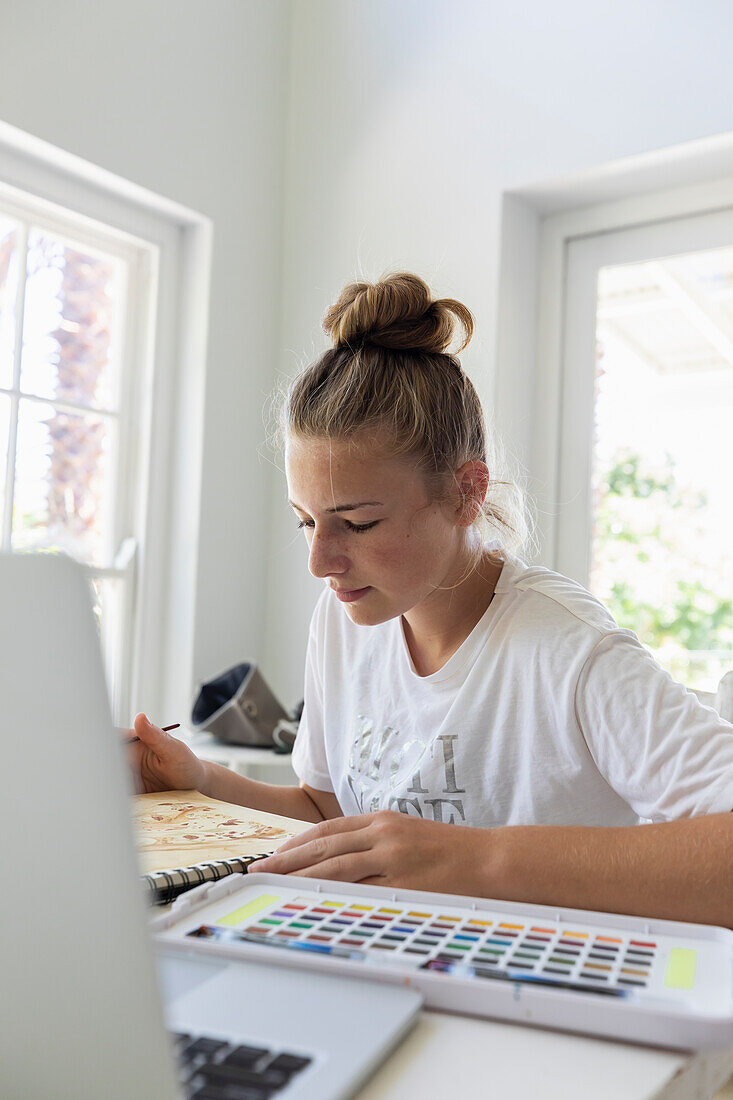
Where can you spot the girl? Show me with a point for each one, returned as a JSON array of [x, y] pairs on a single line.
[[471, 724]]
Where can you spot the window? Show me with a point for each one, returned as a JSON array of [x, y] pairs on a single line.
[[645, 447], [153, 259], [70, 388]]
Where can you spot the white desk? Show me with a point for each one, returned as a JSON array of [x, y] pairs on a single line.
[[449, 1055]]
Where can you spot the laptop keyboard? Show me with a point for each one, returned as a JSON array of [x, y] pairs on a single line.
[[215, 1069]]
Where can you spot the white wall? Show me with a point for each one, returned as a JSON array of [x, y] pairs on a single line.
[[187, 99], [408, 121]]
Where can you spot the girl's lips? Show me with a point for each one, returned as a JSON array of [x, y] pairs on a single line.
[[349, 595]]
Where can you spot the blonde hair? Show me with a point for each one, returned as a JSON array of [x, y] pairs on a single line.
[[389, 372]]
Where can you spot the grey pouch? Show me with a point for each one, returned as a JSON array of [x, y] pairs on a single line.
[[239, 708]]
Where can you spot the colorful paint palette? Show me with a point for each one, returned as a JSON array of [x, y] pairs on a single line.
[[455, 947], [442, 942]]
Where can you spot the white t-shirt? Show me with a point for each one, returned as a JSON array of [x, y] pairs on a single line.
[[548, 713]]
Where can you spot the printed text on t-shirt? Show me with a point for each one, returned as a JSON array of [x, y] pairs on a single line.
[[384, 773]]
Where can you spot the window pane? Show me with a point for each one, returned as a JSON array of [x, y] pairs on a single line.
[[663, 458], [69, 325], [8, 294], [62, 491]]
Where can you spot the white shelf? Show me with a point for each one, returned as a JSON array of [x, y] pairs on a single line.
[[246, 760]]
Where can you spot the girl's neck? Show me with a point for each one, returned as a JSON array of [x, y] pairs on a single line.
[[437, 627]]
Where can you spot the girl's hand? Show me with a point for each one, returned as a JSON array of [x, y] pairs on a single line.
[[160, 762], [387, 849]]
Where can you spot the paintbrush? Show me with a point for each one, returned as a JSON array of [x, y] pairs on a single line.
[[166, 729]]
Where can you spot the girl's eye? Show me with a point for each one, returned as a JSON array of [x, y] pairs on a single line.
[[350, 526]]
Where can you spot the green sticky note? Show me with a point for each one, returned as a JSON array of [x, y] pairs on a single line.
[[255, 906], [681, 967]]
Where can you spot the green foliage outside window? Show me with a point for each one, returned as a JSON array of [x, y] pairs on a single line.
[[654, 567]]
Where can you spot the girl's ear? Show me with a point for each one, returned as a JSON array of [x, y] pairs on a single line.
[[473, 480]]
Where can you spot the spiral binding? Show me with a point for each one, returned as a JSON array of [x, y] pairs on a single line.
[[164, 886]]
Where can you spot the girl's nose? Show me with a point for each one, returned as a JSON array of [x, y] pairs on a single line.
[[325, 557]]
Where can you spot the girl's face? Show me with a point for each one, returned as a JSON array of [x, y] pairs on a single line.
[[372, 533]]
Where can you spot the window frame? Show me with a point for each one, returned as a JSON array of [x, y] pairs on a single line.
[[138, 292], [585, 256], [162, 471], [551, 237]]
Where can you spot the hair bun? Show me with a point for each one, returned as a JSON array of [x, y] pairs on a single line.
[[397, 312]]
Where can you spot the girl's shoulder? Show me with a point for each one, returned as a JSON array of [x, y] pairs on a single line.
[[537, 591]]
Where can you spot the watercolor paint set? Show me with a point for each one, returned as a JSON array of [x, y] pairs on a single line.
[[660, 982]]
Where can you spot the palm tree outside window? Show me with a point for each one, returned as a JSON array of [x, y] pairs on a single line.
[[67, 439]]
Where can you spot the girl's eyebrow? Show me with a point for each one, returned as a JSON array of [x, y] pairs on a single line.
[[344, 507]]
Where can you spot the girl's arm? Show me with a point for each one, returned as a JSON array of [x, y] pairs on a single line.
[[680, 870], [304, 803], [160, 762]]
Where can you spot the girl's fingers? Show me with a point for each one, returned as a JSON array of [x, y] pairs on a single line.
[[151, 736], [317, 852], [331, 827], [354, 867]]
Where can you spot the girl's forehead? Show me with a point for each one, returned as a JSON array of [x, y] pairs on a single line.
[[314, 463]]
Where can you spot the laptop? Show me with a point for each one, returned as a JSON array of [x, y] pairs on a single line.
[[88, 1008]]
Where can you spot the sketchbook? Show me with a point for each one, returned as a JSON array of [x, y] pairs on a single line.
[[185, 838]]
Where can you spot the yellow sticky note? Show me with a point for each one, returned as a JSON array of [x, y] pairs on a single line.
[[255, 906]]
